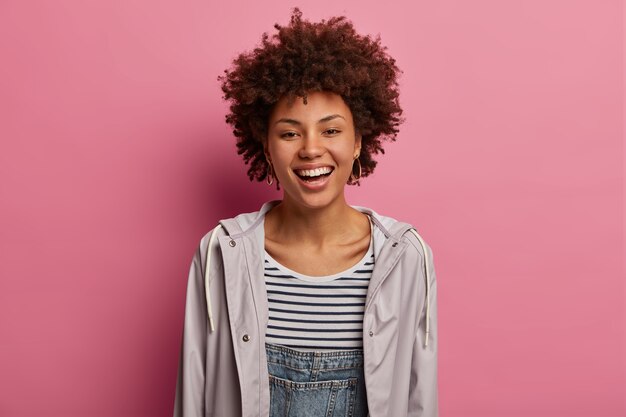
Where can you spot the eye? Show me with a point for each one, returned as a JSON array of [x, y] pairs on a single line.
[[332, 131], [288, 135]]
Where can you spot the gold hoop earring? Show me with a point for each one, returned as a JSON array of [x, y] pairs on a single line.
[[352, 177]]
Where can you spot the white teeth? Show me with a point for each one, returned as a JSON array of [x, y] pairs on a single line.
[[313, 172]]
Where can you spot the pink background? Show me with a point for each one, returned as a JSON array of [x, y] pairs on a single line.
[[115, 160]]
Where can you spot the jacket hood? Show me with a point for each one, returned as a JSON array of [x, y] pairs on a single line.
[[245, 223]]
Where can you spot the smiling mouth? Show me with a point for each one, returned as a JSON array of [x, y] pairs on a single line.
[[314, 175]]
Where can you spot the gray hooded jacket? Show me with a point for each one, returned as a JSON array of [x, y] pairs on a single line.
[[223, 367]]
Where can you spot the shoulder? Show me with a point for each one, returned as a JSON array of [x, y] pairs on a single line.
[[238, 223], [400, 231], [217, 230], [417, 242]]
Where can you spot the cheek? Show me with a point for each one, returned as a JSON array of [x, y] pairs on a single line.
[[281, 157], [345, 154]]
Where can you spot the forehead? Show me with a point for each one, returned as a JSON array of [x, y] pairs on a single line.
[[319, 104]]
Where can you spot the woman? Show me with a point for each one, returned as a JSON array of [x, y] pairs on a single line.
[[310, 306]]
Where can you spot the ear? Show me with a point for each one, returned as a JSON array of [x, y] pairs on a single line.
[[357, 143], [266, 151]]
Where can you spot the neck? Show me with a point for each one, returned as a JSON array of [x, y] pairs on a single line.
[[319, 226]]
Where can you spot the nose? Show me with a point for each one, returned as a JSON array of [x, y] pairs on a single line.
[[312, 147]]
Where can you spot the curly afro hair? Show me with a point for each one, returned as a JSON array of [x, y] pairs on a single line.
[[305, 56]]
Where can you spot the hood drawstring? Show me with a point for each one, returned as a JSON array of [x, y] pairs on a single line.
[[426, 267], [206, 277]]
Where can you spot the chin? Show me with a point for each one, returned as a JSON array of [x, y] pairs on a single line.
[[315, 201], [312, 198]]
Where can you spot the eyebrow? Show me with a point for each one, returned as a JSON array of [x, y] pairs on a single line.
[[322, 120]]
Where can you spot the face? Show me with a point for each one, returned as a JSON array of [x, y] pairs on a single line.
[[312, 148]]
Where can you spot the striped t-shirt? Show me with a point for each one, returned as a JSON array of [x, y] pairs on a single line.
[[317, 313]]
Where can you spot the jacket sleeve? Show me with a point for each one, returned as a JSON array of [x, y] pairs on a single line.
[[423, 394], [189, 401]]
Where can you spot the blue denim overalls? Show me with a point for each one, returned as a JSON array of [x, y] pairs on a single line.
[[316, 384]]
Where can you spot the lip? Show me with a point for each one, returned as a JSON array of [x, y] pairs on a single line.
[[318, 184]]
